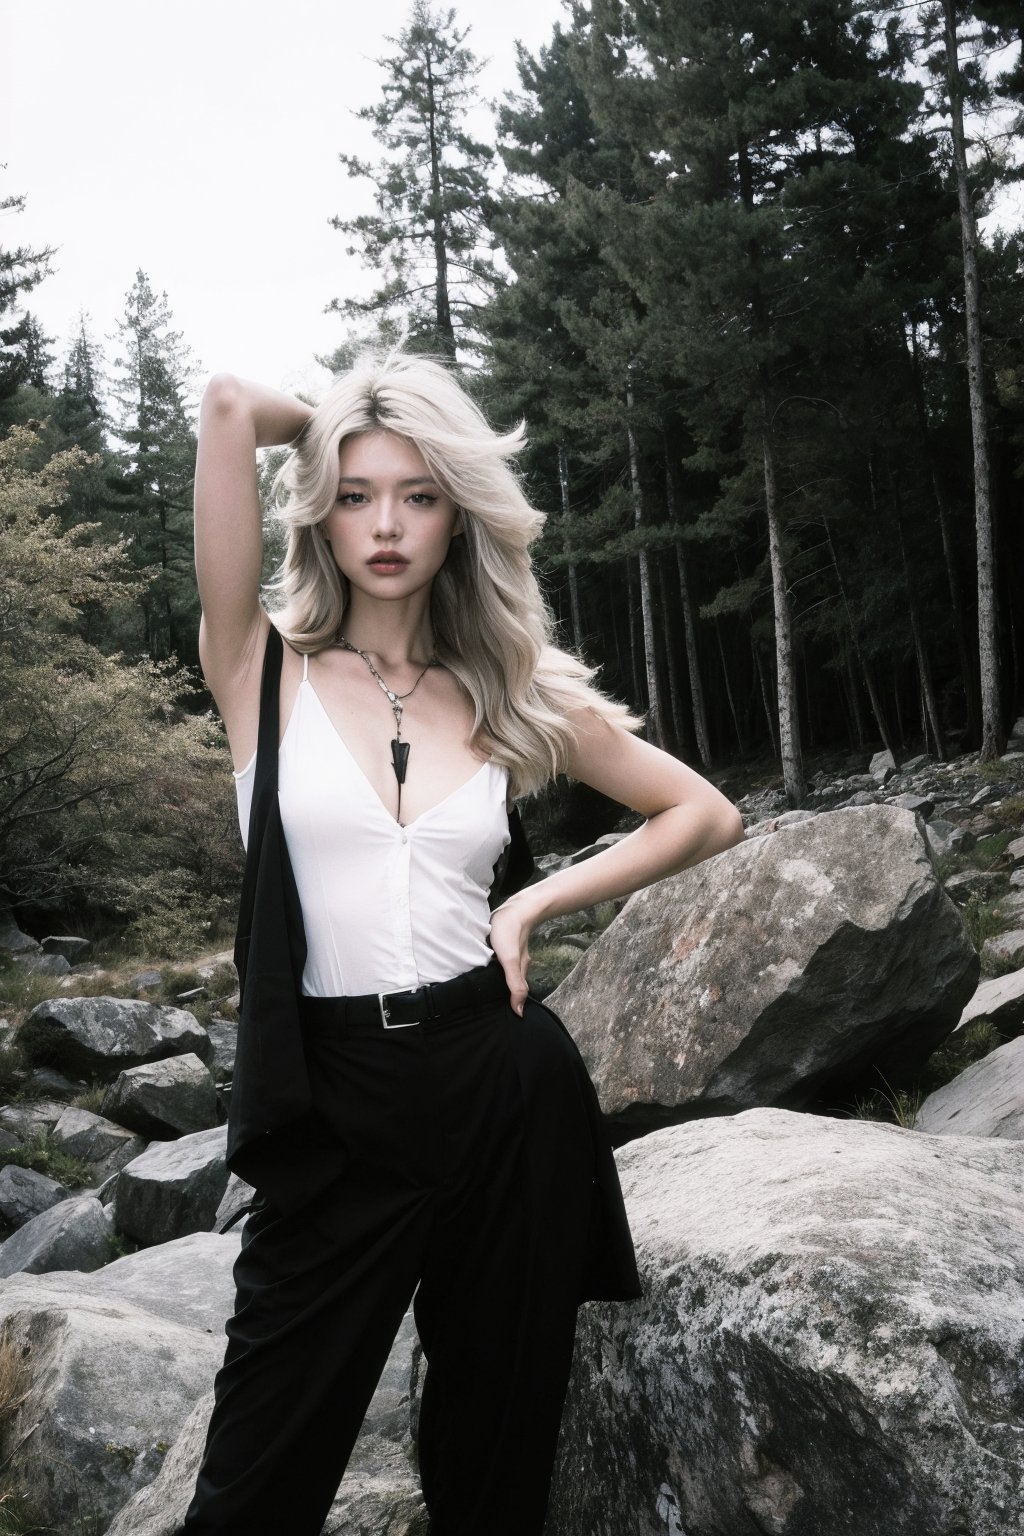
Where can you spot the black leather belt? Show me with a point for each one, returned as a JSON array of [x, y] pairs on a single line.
[[430, 1003]]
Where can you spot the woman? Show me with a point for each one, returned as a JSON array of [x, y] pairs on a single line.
[[416, 1125]]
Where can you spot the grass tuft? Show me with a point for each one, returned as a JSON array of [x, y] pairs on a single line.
[[45, 1157]]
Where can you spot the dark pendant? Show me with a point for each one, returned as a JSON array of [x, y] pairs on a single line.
[[399, 757]]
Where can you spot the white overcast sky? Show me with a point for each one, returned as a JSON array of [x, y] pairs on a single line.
[[199, 141]]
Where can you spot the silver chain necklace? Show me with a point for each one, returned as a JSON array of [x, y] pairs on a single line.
[[399, 748]]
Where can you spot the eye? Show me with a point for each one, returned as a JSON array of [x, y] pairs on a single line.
[[350, 496], [422, 499]]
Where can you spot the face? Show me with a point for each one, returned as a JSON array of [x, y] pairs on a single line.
[[388, 503]]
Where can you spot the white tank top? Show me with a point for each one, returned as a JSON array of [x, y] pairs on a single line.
[[384, 907]]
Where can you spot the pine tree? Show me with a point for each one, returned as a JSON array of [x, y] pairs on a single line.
[[21, 270], [154, 486], [427, 239]]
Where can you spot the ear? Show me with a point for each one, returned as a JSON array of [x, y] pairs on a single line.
[[458, 526]]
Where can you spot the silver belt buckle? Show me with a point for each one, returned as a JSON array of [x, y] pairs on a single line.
[[382, 1004]]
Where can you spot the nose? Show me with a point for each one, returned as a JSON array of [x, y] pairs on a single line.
[[387, 521]]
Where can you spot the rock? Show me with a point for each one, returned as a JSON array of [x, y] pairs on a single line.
[[786, 969], [111, 1385], [100, 1036], [971, 882], [223, 1043], [163, 1098], [956, 840], [1009, 909], [100, 1142], [188, 1281], [13, 940], [880, 763], [792, 818], [380, 1489], [48, 1082], [145, 981], [217, 962], [173, 1188], [24, 1193], [990, 794], [919, 803], [985, 1099], [31, 1119], [236, 1197], [829, 1340], [65, 944], [46, 965], [912, 764], [1005, 948], [75, 1234], [1016, 851], [1000, 999]]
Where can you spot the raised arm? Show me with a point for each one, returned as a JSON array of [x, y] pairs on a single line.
[[236, 417]]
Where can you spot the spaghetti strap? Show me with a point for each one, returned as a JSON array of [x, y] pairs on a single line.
[[305, 666]]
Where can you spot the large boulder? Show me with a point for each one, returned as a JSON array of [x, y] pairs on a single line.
[[106, 1146], [101, 1036], [76, 1234], [379, 1492], [24, 1193], [114, 1364], [829, 1338], [173, 1188], [163, 1098], [985, 1099], [791, 969]]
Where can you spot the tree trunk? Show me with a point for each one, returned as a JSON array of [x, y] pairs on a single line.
[[445, 329], [766, 694], [851, 688], [675, 699], [737, 725], [789, 721], [638, 687], [700, 719], [574, 590], [869, 682], [656, 726], [968, 672], [916, 629], [992, 737]]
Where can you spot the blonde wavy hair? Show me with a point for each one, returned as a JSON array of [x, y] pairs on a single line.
[[491, 623]]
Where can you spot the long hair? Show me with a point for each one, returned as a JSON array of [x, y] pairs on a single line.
[[492, 626]]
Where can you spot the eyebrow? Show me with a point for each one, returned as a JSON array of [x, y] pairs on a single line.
[[416, 480]]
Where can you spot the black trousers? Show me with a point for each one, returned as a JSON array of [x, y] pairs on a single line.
[[466, 1186]]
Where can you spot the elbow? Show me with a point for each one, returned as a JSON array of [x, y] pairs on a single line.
[[728, 830], [221, 392]]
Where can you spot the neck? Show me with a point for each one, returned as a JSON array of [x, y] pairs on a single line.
[[395, 634]]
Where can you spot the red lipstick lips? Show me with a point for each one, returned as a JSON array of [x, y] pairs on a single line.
[[388, 557]]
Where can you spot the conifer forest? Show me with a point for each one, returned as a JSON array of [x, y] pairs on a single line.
[[747, 272]]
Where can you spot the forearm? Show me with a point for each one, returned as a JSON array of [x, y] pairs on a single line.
[[275, 416], [672, 840]]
